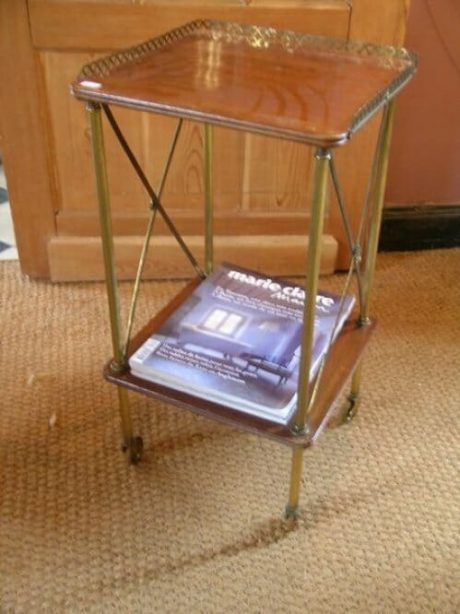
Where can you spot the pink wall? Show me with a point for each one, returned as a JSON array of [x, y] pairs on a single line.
[[425, 156]]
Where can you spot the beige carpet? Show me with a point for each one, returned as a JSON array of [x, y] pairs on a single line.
[[197, 526]]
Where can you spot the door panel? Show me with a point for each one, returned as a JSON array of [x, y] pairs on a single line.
[[105, 25]]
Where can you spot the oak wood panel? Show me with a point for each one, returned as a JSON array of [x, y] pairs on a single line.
[[27, 153], [187, 221], [70, 25], [80, 258], [387, 25], [276, 175]]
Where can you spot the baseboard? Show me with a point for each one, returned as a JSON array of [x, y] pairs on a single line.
[[419, 227], [80, 258]]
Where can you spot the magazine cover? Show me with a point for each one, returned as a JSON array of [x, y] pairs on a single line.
[[236, 340]]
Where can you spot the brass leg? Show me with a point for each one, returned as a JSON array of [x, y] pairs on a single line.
[[208, 198], [377, 200], [292, 507], [133, 445], [378, 195], [319, 198], [94, 113], [311, 285]]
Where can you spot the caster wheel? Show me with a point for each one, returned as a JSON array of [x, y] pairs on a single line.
[[134, 447], [291, 514], [353, 404]]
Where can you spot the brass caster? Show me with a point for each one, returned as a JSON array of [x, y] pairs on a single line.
[[135, 447], [291, 513], [353, 404]]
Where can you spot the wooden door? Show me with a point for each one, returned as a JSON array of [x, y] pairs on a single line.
[[260, 184]]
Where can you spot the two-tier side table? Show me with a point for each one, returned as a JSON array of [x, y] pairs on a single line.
[[313, 90]]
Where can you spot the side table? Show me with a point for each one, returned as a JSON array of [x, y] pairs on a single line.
[[314, 90]]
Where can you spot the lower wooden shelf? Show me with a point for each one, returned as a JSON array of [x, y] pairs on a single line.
[[342, 360]]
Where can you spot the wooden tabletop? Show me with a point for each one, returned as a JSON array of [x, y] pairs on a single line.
[[304, 88]]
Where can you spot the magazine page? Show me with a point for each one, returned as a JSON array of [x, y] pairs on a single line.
[[236, 340]]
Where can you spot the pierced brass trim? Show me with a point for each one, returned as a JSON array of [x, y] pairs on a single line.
[[105, 65], [292, 42], [318, 199], [257, 37], [383, 97], [262, 37]]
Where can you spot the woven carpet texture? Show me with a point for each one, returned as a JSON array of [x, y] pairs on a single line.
[[197, 526]]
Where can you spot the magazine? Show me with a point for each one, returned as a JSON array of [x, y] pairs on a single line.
[[236, 340]]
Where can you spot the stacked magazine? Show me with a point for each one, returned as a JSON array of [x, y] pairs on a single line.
[[236, 340]]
